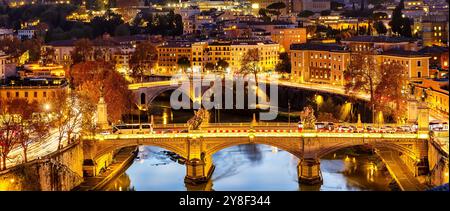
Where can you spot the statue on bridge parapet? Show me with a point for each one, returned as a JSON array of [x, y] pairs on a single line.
[[307, 117], [201, 118]]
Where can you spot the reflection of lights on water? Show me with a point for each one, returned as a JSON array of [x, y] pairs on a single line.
[[164, 117], [371, 169], [354, 160], [274, 149], [120, 188], [334, 155], [347, 159]]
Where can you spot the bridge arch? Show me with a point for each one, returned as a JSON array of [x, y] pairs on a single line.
[[392, 146], [292, 147], [178, 148]]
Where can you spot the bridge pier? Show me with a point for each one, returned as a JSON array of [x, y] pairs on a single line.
[[198, 171], [309, 171], [199, 165]]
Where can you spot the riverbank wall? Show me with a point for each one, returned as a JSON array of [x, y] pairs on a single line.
[[59, 171]]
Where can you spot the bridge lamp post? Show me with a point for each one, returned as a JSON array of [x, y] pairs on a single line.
[[289, 112]]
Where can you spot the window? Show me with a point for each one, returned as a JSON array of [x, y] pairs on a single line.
[[17, 94], [26, 94], [418, 63], [419, 74], [35, 94]]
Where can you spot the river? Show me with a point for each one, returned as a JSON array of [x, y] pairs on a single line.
[[250, 167]]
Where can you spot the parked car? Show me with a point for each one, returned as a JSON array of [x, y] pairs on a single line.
[[387, 129], [344, 129], [300, 126], [372, 129]]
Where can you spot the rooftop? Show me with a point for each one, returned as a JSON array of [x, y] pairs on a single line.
[[433, 50], [403, 53], [318, 47], [379, 39]]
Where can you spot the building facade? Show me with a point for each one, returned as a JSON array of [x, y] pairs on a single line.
[[319, 63]]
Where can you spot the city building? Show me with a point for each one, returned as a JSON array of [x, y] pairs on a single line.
[[7, 66], [382, 43], [416, 63], [38, 71], [39, 90], [319, 63], [6, 33], [3, 61], [435, 92], [435, 30], [169, 53], [201, 53], [288, 36], [439, 56], [316, 5]]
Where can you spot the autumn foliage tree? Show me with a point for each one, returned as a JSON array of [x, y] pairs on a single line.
[[143, 59], [390, 93], [20, 127], [90, 77], [362, 76]]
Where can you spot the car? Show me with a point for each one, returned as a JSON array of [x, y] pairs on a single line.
[[184, 131], [404, 128], [300, 126], [344, 129], [387, 129], [167, 131], [105, 133], [320, 126], [352, 128], [330, 126], [372, 129]]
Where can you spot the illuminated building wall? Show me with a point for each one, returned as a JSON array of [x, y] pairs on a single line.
[[319, 63], [286, 37]]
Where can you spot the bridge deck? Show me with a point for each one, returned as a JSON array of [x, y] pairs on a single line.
[[403, 176]]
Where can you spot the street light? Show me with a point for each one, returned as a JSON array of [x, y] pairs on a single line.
[[47, 107], [289, 112]]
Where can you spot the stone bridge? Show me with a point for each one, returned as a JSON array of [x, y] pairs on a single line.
[[197, 147]]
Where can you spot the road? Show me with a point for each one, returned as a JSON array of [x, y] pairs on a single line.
[[398, 169], [35, 150]]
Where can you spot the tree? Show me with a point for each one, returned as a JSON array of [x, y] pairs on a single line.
[[32, 128], [263, 13], [83, 51], [305, 13], [210, 66], [9, 132], [325, 12], [250, 65], [277, 6], [184, 63], [400, 25], [285, 65], [380, 27], [48, 56], [93, 78], [222, 64], [390, 94], [33, 46], [361, 75], [68, 115], [122, 30], [143, 58]]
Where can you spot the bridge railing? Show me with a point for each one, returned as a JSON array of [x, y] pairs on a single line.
[[270, 124]]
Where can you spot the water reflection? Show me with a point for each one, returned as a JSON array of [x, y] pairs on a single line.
[[253, 167]]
